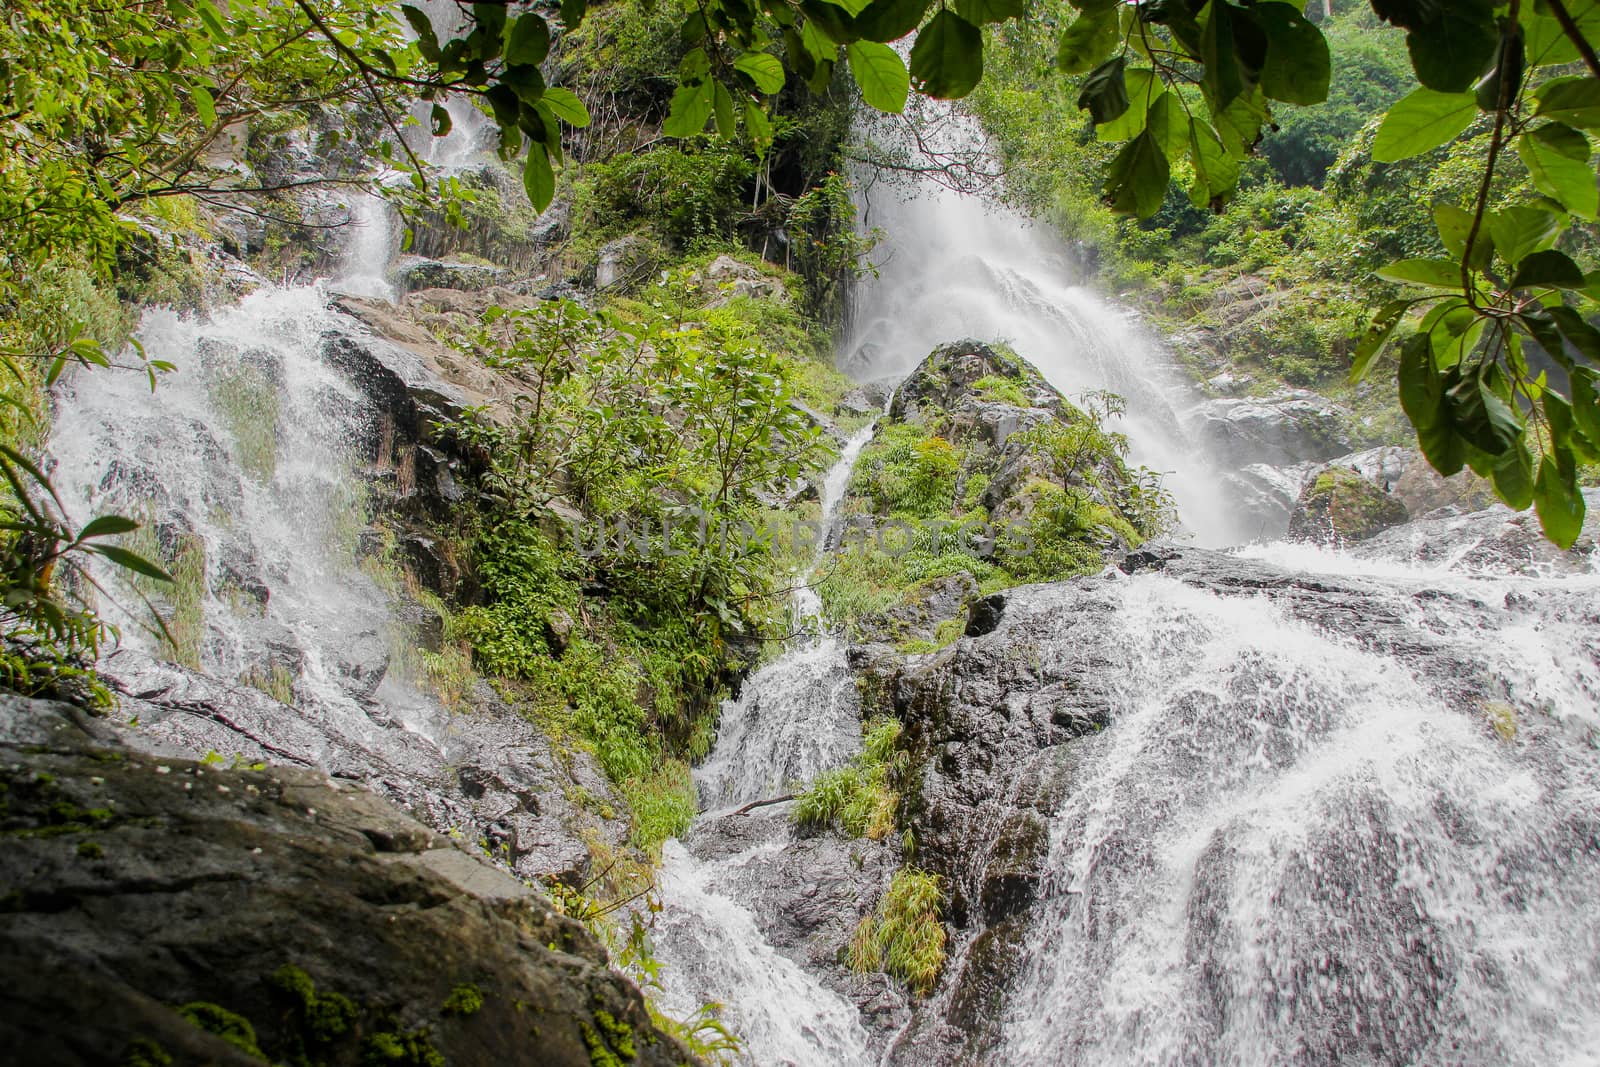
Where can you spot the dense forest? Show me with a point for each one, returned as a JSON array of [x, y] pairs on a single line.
[[714, 472]]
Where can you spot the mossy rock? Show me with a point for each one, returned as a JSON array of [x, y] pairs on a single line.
[[1339, 505]]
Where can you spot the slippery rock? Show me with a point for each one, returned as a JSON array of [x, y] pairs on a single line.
[[157, 910], [487, 773], [411, 273], [1338, 505], [1291, 427]]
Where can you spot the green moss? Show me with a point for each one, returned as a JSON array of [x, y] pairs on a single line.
[[1005, 390], [233, 1028], [612, 1044], [395, 1049], [143, 1052], [91, 850], [248, 400], [464, 1000]]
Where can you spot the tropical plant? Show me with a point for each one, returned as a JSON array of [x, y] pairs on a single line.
[[1187, 89]]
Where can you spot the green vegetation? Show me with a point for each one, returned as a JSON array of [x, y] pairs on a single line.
[[860, 797], [234, 1029], [920, 505], [905, 936]]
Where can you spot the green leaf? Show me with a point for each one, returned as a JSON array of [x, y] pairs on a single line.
[[1143, 88], [890, 20], [422, 26], [1478, 414], [1454, 51], [758, 126], [538, 178], [1578, 332], [1105, 92], [1298, 61], [979, 12], [1512, 477], [947, 60], [881, 73], [572, 12], [1420, 122], [1376, 335], [1455, 227], [1433, 273], [1559, 503], [1137, 179], [440, 120], [691, 108], [1557, 158], [1216, 173], [527, 41], [765, 70], [1548, 269], [130, 561], [1520, 231], [204, 105], [722, 107], [851, 7], [107, 526], [1573, 101], [1168, 123], [1422, 398], [1086, 43], [1222, 79], [1586, 406], [566, 106]]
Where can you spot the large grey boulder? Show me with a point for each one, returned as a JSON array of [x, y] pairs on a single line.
[[159, 910], [1291, 427]]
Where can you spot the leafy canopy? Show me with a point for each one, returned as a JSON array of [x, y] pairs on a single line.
[[1188, 89]]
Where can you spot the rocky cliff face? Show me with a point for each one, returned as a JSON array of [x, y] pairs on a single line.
[[157, 910]]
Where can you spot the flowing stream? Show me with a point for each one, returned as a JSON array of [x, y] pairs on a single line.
[[1293, 844]]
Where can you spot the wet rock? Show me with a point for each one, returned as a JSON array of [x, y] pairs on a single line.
[[625, 263], [315, 912], [1339, 505], [411, 273], [399, 381], [1422, 489], [947, 378], [1292, 427], [1494, 539], [519, 778], [918, 616], [863, 400], [361, 661]]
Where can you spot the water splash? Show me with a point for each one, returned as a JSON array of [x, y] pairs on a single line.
[[1290, 849], [782, 1014], [242, 464], [954, 265]]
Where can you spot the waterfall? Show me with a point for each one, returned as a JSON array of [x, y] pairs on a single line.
[[1293, 847], [953, 265], [242, 464], [794, 718]]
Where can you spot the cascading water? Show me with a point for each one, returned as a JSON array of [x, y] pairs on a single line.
[[241, 464], [954, 265], [793, 719], [1294, 847]]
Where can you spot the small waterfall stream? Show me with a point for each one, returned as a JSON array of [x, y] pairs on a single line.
[[794, 718]]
